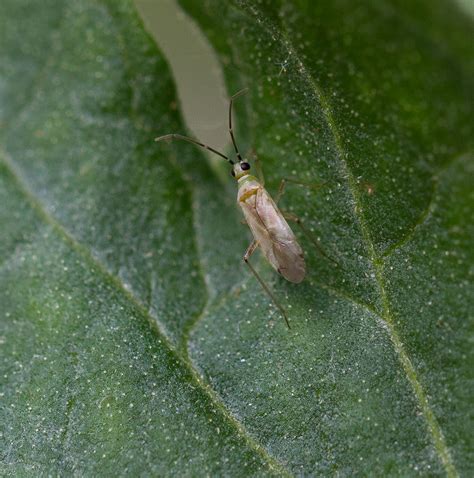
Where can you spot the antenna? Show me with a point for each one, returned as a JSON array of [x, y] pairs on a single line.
[[191, 140], [231, 131]]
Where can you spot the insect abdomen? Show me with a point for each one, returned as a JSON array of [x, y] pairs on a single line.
[[270, 229]]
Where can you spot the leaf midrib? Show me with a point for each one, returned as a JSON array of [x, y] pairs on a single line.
[[86, 253], [114, 281], [378, 265], [377, 262]]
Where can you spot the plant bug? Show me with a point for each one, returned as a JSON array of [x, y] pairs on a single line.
[[269, 227]]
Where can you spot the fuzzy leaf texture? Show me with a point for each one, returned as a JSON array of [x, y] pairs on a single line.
[[134, 341]]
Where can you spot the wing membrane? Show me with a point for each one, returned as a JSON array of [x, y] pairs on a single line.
[[274, 235]]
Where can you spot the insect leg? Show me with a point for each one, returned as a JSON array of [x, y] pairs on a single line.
[[281, 189], [250, 250], [258, 167], [309, 235]]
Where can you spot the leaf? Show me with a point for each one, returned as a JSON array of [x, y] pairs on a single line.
[[373, 100], [96, 244], [134, 341]]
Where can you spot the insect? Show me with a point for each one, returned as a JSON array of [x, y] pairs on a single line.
[[269, 227]]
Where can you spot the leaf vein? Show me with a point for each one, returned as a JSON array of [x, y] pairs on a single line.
[[69, 238], [427, 212], [419, 392], [115, 282]]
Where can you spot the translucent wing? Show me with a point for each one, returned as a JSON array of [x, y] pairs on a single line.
[[270, 229]]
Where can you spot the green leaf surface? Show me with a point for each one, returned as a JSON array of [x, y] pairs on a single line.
[[134, 341]]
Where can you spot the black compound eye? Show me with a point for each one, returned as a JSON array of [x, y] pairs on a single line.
[[245, 166], [233, 173]]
